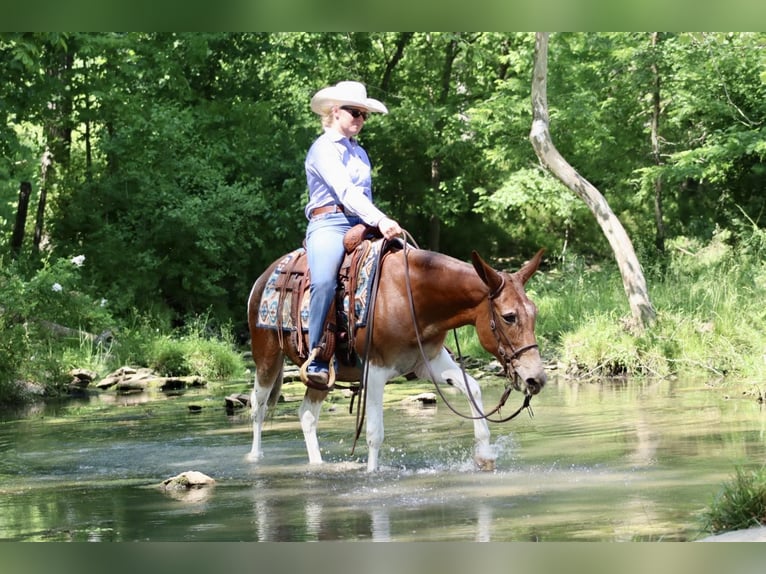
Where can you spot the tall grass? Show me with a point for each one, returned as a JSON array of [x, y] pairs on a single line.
[[196, 349], [740, 503]]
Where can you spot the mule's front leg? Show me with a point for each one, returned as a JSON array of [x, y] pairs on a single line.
[[483, 454], [376, 383], [309, 416]]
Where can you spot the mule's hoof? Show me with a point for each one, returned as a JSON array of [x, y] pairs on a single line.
[[485, 464], [253, 456]]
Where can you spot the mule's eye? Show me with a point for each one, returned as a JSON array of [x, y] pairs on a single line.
[[510, 318]]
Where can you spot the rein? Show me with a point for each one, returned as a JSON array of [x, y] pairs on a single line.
[[507, 359]]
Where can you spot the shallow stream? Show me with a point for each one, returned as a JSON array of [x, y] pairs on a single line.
[[606, 461]]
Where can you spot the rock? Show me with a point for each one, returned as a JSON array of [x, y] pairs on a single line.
[[29, 389], [188, 479], [120, 375], [128, 379], [131, 386], [176, 383], [755, 534], [291, 374], [237, 401], [81, 378], [425, 399]]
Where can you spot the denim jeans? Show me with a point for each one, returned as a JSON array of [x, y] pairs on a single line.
[[324, 249]]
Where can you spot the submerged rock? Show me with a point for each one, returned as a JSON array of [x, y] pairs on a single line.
[[424, 399], [187, 480]]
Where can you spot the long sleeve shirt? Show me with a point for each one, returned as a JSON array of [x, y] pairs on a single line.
[[338, 172]]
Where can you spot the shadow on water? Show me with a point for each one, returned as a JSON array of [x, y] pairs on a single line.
[[611, 461]]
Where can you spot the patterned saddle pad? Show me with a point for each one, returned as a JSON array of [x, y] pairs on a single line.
[[269, 309]]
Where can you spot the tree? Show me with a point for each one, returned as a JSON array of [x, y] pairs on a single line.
[[632, 276]]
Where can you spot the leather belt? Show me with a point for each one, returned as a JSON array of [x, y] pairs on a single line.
[[326, 209]]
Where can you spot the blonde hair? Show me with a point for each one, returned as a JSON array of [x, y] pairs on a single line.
[[327, 118]]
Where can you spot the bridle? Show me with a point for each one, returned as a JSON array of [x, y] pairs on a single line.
[[502, 338]]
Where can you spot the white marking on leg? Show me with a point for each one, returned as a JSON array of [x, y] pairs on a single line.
[[259, 406], [309, 416], [376, 384], [447, 370]]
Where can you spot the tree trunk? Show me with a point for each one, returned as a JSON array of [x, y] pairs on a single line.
[[25, 190], [401, 42], [434, 223], [632, 276], [45, 173], [655, 135]]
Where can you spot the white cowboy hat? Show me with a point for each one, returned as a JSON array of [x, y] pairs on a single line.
[[345, 94]]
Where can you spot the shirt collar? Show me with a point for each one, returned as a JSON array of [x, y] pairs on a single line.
[[336, 136]]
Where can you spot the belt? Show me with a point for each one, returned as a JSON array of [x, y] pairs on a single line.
[[326, 209]]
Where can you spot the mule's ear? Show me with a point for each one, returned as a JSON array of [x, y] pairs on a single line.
[[492, 278], [530, 267]]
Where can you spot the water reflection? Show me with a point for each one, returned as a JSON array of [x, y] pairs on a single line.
[[320, 520]]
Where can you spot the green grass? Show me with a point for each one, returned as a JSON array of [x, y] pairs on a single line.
[[740, 504]]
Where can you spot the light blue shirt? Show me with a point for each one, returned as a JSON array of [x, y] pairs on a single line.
[[338, 172]]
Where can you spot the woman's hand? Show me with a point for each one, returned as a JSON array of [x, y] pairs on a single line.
[[389, 228]]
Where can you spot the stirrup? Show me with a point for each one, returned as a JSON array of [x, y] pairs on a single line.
[[315, 384]]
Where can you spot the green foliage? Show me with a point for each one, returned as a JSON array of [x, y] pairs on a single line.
[[710, 316], [47, 327], [43, 313], [740, 504], [196, 351], [710, 320]]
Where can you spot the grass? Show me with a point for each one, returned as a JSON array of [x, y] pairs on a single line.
[[740, 504], [194, 350]]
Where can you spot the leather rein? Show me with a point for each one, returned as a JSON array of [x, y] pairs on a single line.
[[507, 356], [502, 351]]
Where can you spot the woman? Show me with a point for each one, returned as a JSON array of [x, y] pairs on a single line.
[[339, 180]]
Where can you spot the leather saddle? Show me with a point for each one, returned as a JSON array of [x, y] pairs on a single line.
[[338, 333]]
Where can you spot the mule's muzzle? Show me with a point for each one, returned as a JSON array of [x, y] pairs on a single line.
[[534, 385], [529, 384]]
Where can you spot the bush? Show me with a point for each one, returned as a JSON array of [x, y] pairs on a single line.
[[37, 305], [196, 350]]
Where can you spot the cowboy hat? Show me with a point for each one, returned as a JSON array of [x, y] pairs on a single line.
[[345, 94]]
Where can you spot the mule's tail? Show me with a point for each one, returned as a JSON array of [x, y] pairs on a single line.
[[276, 391]]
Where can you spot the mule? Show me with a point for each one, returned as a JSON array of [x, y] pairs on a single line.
[[445, 293]]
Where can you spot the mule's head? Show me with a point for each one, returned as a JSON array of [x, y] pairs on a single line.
[[505, 324]]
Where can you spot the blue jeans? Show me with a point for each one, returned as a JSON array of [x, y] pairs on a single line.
[[324, 249]]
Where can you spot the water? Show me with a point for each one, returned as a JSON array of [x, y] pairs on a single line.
[[609, 461]]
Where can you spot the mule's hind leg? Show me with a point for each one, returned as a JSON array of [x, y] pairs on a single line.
[[266, 389], [308, 413], [448, 371]]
